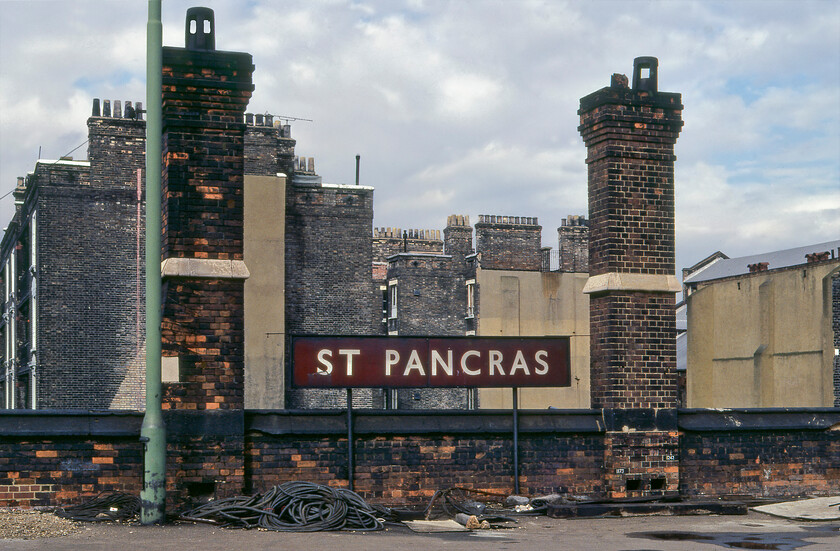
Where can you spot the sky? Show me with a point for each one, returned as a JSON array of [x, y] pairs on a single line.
[[470, 106]]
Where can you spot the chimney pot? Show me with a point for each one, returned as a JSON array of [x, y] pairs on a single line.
[[645, 77], [95, 112], [201, 29]]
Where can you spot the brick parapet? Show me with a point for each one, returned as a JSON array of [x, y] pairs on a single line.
[[63, 458], [269, 151], [390, 241], [509, 242]]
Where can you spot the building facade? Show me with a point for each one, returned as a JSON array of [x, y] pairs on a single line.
[[762, 330], [73, 320]]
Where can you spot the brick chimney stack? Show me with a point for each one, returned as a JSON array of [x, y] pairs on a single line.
[[205, 93], [630, 135]]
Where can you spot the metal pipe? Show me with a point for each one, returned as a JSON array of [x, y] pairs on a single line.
[[515, 441], [350, 450], [153, 431], [358, 159]]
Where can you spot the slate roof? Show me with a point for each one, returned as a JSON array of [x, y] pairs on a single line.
[[777, 259]]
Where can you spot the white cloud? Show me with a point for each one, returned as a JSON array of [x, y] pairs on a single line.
[[470, 106]]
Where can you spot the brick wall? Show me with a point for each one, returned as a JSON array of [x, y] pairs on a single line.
[[98, 213], [573, 239], [508, 242], [269, 149], [61, 457], [390, 241], [329, 288], [760, 452]]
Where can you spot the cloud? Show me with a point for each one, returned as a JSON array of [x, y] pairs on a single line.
[[471, 106]]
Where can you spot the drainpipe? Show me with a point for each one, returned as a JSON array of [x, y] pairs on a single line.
[[153, 431]]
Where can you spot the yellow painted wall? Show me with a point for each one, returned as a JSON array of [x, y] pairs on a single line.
[[762, 340], [264, 254], [518, 304]]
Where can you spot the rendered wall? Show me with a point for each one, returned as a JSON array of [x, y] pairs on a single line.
[[518, 303], [763, 340], [265, 324]]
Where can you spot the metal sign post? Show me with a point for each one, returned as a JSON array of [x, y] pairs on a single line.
[[350, 445], [515, 440]]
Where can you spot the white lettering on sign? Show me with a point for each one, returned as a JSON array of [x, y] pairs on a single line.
[[464, 367], [326, 366], [414, 363], [439, 366], [391, 359], [539, 357], [438, 360], [496, 362], [519, 363], [349, 353]]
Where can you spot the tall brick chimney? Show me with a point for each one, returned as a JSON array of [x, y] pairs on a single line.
[[205, 93], [630, 135]]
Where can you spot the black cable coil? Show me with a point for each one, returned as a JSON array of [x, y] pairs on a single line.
[[105, 506], [291, 507]]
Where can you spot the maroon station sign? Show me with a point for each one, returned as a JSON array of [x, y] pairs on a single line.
[[389, 362]]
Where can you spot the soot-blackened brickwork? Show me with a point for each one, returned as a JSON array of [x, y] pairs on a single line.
[[203, 149], [761, 463], [630, 136], [573, 239], [94, 287], [634, 363], [508, 242], [202, 189], [390, 241], [269, 149], [329, 288], [203, 219]]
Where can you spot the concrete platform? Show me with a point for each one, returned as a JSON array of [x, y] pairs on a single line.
[[820, 508]]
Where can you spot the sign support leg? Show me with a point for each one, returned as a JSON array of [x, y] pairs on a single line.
[[350, 445], [515, 440]]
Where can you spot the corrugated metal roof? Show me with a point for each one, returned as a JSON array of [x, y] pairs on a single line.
[[777, 259]]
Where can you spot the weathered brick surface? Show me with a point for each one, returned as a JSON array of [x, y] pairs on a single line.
[[644, 463], [508, 242], [269, 150], [835, 316], [772, 463], [204, 98], [90, 343], [410, 469], [204, 326], [390, 241], [630, 137], [37, 472], [633, 350], [573, 239], [329, 288]]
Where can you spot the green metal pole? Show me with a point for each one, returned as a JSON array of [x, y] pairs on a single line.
[[153, 431]]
